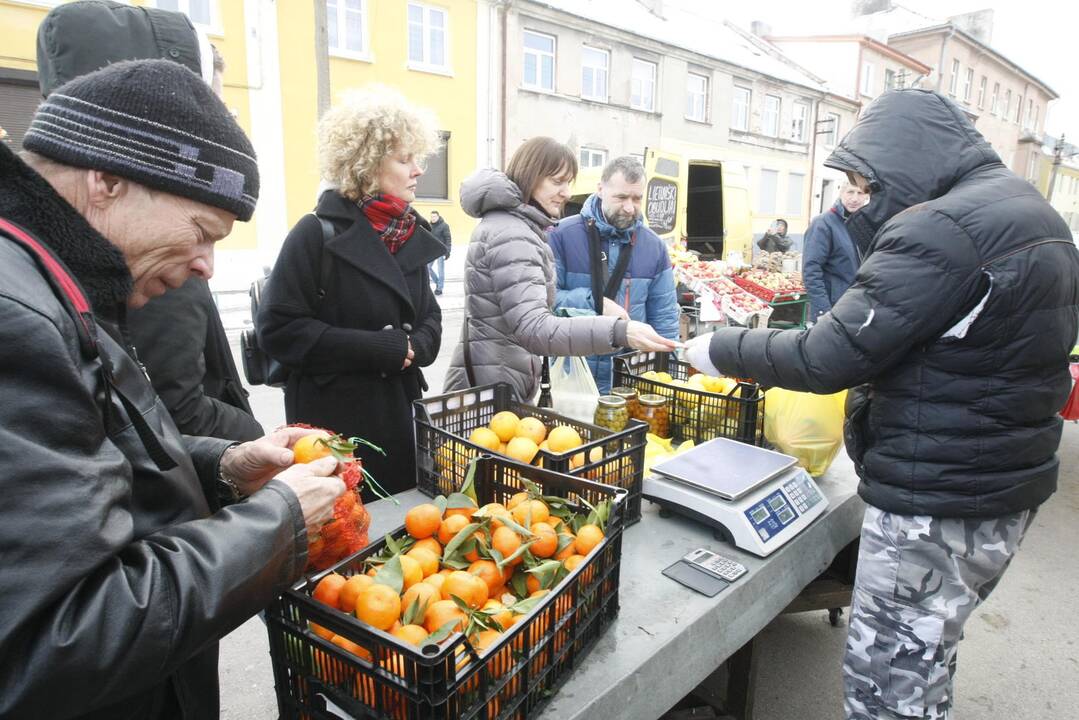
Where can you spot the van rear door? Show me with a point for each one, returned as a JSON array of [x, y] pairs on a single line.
[[664, 203]]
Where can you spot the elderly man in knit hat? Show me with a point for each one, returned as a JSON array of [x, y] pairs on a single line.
[[128, 549]]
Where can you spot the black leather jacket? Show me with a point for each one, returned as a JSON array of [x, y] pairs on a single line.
[[118, 577]]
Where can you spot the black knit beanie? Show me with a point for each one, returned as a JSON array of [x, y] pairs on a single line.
[[153, 122]]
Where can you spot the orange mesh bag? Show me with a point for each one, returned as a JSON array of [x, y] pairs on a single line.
[[346, 533]]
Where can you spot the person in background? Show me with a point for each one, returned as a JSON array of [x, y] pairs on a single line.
[[441, 230], [179, 336], [510, 278], [955, 334], [776, 240], [831, 259], [122, 569], [611, 220], [354, 347]]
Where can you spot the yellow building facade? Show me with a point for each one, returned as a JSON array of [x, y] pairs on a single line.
[[426, 50]]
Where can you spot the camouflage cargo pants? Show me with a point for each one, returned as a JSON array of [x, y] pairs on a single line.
[[919, 579]]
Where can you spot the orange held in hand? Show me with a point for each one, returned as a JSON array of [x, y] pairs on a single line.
[[310, 448]]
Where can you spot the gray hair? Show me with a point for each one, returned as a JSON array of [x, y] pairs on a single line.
[[629, 166]]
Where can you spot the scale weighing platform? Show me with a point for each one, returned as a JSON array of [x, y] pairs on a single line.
[[757, 498]]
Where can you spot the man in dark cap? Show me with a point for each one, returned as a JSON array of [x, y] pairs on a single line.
[[956, 334], [122, 568], [179, 336]]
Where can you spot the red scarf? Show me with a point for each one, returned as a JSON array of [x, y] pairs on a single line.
[[391, 217]]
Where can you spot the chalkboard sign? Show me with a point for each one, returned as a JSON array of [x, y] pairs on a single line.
[[661, 205]]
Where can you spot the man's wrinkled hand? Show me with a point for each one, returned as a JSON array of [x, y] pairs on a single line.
[[252, 464], [316, 488]]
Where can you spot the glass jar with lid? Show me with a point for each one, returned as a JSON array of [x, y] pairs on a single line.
[[630, 396], [611, 413], [654, 411]]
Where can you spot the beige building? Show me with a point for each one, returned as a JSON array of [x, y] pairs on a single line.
[[613, 77], [1007, 103]]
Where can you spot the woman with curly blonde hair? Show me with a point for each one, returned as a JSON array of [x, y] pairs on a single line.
[[348, 308]]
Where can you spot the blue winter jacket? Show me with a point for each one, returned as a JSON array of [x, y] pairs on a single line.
[[830, 260], [647, 291]]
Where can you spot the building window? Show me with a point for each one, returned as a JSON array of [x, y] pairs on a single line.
[[831, 137], [592, 158], [770, 116], [434, 184], [201, 12], [740, 108], [1032, 171], [799, 120], [427, 37], [994, 99], [795, 187], [867, 79], [346, 25], [953, 84], [539, 61], [889, 79], [968, 84], [594, 64], [696, 97], [1034, 120], [766, 197], [1007, 105], [642, 94], [981, 92], [1018, 109]]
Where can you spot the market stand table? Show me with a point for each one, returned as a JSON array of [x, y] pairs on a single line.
[[668, 639]]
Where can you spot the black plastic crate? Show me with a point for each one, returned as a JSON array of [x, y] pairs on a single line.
[[315, 678], [444, 422], [696, 415]]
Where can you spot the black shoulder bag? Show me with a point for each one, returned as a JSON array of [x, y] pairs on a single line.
[[602, 285]]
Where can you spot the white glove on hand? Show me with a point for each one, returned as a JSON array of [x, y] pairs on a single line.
[[696, 354]]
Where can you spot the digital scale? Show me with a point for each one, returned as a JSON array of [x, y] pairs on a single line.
[[758, 499]]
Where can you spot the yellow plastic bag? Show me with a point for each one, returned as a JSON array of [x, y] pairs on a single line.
[[807, 426]]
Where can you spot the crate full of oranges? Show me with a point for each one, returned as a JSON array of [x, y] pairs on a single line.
[[478, 607], [455, 428]]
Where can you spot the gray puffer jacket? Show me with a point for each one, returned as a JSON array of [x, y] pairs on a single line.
[[510, 289]]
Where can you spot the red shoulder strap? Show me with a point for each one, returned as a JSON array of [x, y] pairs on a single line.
[[65, 286]]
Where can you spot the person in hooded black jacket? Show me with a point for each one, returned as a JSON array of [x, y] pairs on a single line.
[[957, 329], [179, 336]]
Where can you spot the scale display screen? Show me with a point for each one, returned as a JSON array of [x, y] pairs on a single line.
[[771, 515]]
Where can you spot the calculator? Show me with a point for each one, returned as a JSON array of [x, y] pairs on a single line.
[[721, 567]]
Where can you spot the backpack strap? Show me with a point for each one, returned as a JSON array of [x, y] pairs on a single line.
[[325, 267], [75, 303]]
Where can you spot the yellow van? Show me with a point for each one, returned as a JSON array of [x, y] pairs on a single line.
[[695, 201]]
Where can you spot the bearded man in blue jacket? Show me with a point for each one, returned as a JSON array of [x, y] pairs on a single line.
[[611, 218]]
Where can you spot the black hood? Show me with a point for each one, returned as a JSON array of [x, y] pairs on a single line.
[[912, 145], [77, 38]]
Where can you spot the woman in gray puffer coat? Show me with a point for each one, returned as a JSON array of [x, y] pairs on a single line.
[[510, 278]]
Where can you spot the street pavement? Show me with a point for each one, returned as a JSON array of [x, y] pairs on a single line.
[[1019, 658]]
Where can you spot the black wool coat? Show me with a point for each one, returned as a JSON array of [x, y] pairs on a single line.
[[959, 322], [345, 351]]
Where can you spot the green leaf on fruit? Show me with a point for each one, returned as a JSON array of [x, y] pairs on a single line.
[[462, 535], [443, 632], [391, 575], [413, 614]]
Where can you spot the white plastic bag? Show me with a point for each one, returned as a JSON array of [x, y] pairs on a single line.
[[573, 389]]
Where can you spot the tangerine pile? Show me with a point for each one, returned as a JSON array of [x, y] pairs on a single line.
[[522, 438], [461, 567]]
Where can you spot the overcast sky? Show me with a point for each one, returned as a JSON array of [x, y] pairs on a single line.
[[1041, 36]]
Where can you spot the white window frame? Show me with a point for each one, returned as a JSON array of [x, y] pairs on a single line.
[[1018, 109], [982, 86], [762, 209], [953, 84], [889, 79], [771, 127], [540, 55], [590, 93], [1034, 120], [832, 139], [426, 27], [692, 96], [798, 131], [994, 99], [214, 27], [587, 157], [1007, 105], [741, 103], [867, 79], [341, 13], [968, 84], [643, 74]]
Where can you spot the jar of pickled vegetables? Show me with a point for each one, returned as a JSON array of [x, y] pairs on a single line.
[[630, 396], [654, 411], [611, 413]]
